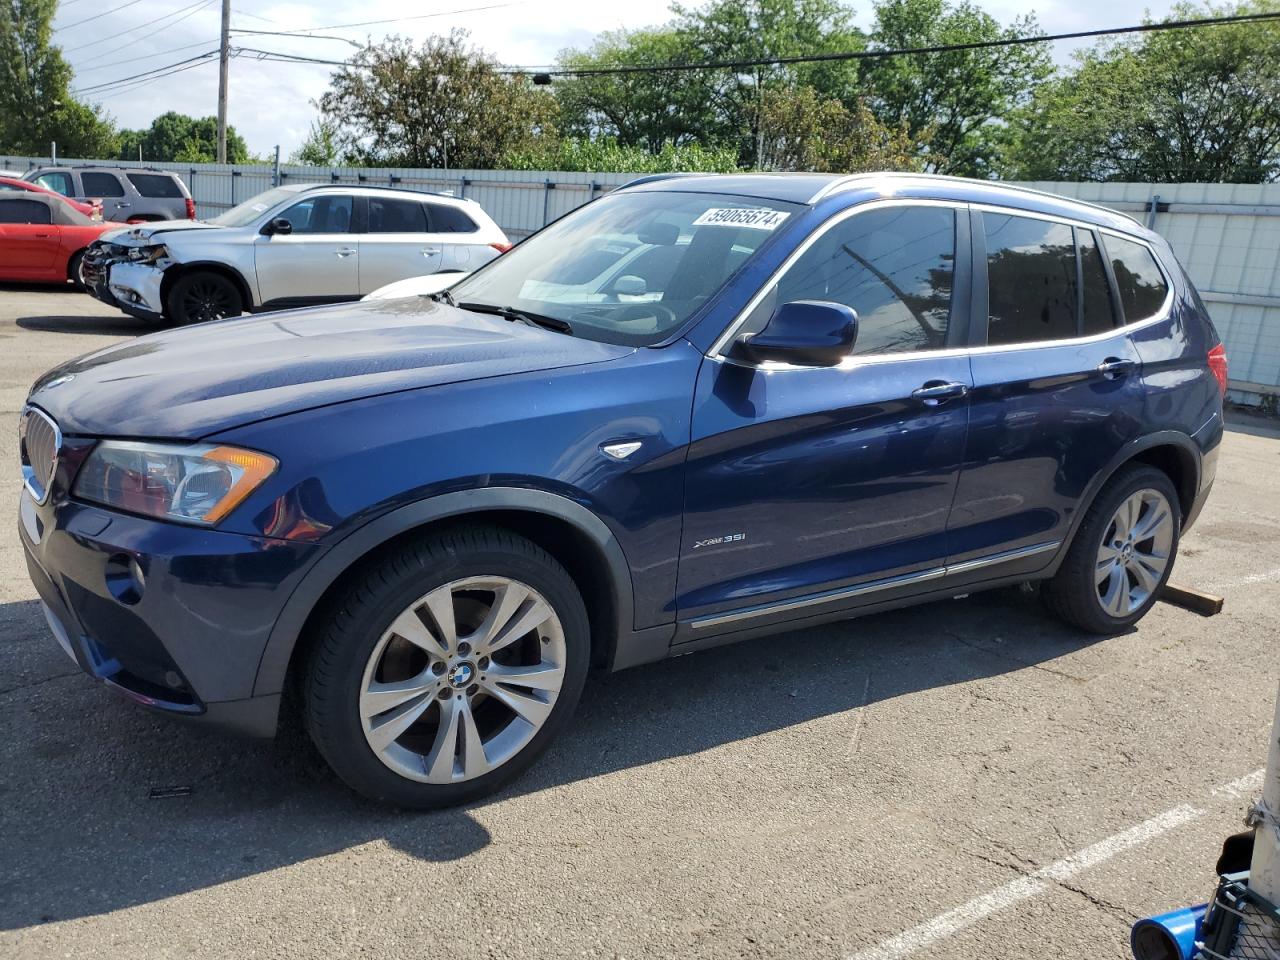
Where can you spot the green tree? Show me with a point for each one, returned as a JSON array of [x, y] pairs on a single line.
[[177, 138], [956, 99], [1174, 106], [321, 146], [711, 107], [442, 101], [801, 131], [36, 106]]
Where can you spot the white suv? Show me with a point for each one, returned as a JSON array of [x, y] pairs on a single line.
[[290, 246]]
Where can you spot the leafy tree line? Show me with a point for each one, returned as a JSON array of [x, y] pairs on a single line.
[[1185, 105], [1200, 104]]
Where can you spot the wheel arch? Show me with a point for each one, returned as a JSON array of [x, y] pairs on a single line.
[[1172, 452], [570, 532], [180, 270]]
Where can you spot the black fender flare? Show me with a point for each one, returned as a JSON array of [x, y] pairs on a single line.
[[274, 663], [1188, 451]]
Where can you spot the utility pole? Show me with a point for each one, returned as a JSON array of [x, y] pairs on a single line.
[[224, 58]]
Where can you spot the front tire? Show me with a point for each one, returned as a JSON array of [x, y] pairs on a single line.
[[73, 270], [448, 668], [1122, 554], [203, 296]]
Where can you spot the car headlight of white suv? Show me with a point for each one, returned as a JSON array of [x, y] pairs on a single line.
[[151, 254]]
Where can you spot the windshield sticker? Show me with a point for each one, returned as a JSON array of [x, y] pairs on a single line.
[[757, 218]]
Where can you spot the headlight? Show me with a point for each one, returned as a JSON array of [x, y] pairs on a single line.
[[148, 254], [200, 483]]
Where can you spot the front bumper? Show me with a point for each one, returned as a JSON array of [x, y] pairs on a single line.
[[176, 618], [135, 287]]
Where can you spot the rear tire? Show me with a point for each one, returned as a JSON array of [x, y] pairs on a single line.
[[414, 691], [202, 297], [1122, 555]]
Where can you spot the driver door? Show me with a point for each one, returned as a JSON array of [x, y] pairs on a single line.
[[802, 480], [317, 262]]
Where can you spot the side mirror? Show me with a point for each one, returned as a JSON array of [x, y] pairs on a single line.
[[806, 333], [630, 286], [279, 225]]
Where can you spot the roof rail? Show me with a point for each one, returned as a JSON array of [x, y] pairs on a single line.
[[852, 180], [385, 187], [654, 178]]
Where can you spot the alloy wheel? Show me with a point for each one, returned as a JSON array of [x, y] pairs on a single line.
[[462, 680], [1135, 552], [206, 300]]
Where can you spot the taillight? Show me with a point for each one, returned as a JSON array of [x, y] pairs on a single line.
[[191, 209], [1218, 366], [501, 247]]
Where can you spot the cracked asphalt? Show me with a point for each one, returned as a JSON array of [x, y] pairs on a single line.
[[806, 795]]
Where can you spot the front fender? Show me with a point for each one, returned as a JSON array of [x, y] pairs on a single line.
[[341, 556]]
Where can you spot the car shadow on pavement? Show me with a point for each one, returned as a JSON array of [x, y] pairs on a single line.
[[84, 836], [121, 326]]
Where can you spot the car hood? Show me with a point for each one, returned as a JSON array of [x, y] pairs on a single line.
[[141, 233], [193, 382]]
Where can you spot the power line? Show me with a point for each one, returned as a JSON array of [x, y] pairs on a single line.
[[907, 51], [146, 56], [187, 11], [104, 13], [290, 33], [146, 74], [421, 16], [126, 88]]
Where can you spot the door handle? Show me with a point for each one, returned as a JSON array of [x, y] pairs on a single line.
[[345, 251], [934, 392], [1113, 367], [121, 203], [430, 251]]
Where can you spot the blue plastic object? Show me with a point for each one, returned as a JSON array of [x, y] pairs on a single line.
[[1170, 936]]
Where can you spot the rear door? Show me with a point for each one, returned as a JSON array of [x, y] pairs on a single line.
[[29, 239], [805, 480], [318, 261], [117, 203], [1056, 388], [397, 244], [465, 247]]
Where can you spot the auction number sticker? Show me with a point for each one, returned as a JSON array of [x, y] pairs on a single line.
[[756, 218]]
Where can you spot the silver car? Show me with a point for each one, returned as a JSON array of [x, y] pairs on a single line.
[[127, 194], [290, 246]]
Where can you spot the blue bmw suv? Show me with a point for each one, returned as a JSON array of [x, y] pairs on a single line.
[[696, 410]]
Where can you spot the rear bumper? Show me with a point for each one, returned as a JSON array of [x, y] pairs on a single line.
[[174, 618]]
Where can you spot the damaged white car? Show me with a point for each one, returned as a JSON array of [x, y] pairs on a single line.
[[288, 247]]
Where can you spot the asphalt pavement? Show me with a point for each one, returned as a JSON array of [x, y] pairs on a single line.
[[967, 779]]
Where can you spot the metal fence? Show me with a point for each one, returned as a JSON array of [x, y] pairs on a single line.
[[1226, 235]]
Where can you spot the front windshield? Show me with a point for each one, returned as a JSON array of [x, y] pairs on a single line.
[[629, 268], [246, 213]]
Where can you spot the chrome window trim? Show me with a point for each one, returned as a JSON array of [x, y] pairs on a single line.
[[28, 470], [874, 586], [718, 348]]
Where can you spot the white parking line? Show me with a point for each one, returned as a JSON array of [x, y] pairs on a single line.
[[968, 914]]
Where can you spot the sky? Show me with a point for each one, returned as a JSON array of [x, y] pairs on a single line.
[[271, 103]]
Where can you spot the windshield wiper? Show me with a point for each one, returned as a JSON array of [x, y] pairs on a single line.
[[519, 316], [442, 296]]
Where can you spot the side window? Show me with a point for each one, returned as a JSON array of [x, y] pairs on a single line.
[[445, 219], [1141, 284], [1031, 279], [327, 214], [396, 215], [57, 182], [24, 211], [894, 266], [156, 185], [1097, 312], [101, 185]]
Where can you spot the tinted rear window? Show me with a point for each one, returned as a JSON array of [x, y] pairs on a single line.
[[1138, 278], [449, 219], [156, 185], [1098, 312], [1031, 275], [395, 215], [101, 185], [24, 211]]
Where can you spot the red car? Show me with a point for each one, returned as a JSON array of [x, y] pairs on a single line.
[[90, 208], [42, 238]]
